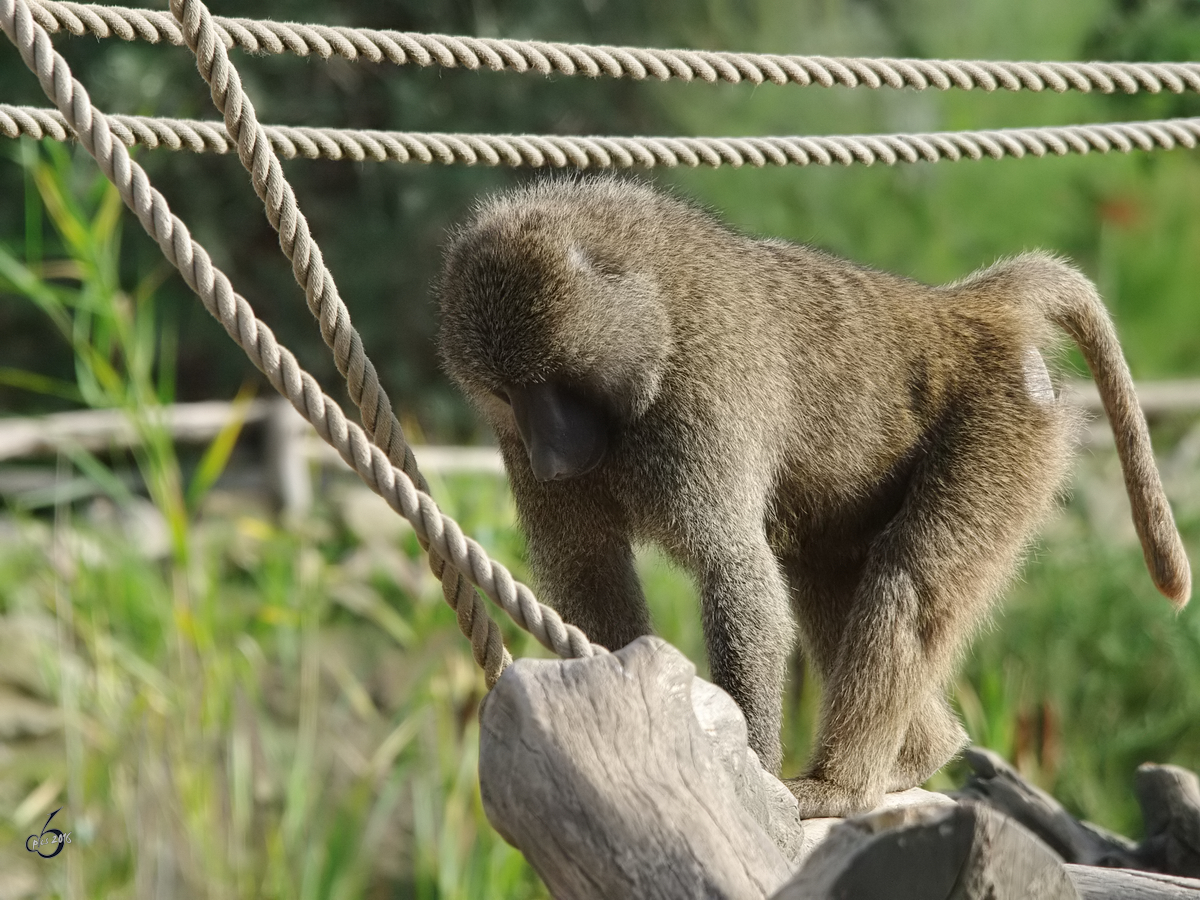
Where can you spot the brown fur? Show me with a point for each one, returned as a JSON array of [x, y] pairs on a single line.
[[803, 434]]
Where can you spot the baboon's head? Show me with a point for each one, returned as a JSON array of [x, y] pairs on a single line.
[[551, 322]]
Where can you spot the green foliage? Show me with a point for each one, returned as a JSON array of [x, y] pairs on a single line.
[[381, 226], [123, 351], [1087, 674], [231, 717], [1127, 219], [208, 713]]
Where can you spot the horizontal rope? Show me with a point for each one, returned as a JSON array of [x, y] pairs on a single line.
[[414, 48], [625, 152]]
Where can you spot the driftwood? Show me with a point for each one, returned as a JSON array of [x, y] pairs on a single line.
[[624, 775], [1125, 884], [816, 830], [960, 851], [600, 772], [996, 783], [964, 852], [1170, 801], [1168, 795]]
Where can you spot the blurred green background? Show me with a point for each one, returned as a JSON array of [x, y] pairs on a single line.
[[228, 704]]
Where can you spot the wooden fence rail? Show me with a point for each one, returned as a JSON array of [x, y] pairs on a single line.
[[291, 446], [98, 429]]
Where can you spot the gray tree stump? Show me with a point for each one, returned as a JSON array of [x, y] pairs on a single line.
[[601, 772]]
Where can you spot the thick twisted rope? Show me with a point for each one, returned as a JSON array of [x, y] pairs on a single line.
[[276, 362], [625, 152], [413, 48], [308, 267]]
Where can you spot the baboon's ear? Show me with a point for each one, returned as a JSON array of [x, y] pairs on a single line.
[[564, 432]]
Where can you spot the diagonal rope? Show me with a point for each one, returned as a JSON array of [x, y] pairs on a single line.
[[604, 152], [276, 362], [546, 58], [308, 267]]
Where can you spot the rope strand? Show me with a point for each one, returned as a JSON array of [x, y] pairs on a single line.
[[308, 267], [638, 63], [557, 151]]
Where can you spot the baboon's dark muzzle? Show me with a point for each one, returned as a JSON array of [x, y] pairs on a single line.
[[564, 433]]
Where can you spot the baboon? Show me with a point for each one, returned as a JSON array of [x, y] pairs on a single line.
[[805, 435]]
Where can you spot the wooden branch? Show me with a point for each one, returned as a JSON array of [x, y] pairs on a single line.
[[1094, 883], [287, 464], [1168, 795], [601, 773], [100, 429], [994, 782], [97, 429], [816, 830], [1170, 801], [1157, 398], [764, 797], [963, 851]]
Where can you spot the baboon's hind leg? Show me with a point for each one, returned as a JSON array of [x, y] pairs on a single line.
[[927, 584], [933, 738]]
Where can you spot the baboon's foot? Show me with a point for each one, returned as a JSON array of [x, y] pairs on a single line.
[[819, 798]]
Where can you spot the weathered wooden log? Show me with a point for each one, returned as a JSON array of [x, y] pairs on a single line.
[[1168, 795], [816, 830], [995, 783], [600, 772], [624, 775], [1170, 801], [962, 851], [1096, 883], [764, 797]]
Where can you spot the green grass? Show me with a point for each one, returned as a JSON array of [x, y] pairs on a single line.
[[306, 712], [245, 711], [228, 728], [1086, 674]]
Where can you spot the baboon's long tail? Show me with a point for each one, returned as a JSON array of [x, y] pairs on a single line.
[[1072, 303]]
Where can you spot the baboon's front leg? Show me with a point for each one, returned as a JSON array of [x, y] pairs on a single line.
[[749, 634]]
